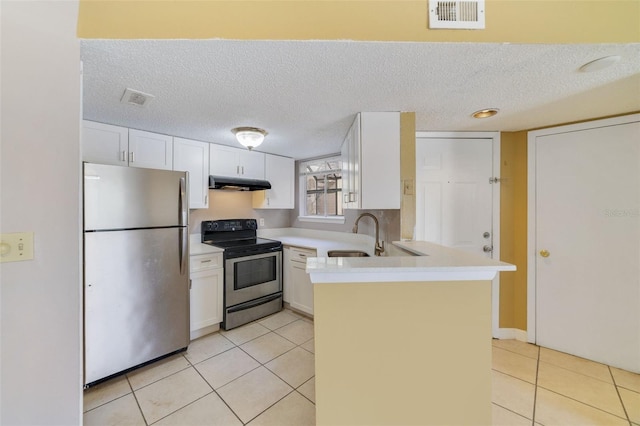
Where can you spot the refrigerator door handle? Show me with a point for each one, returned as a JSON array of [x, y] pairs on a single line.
[[182, 203], [182, 249]]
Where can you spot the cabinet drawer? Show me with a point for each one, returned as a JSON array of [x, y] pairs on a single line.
[[202, 262], [301, 254]]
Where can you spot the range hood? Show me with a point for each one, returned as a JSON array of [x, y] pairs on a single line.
[[237, 184]]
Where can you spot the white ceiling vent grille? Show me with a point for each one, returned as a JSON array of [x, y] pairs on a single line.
[[456, 14], [135, 97]]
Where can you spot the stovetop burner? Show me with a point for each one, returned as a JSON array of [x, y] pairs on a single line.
[[236, 236]]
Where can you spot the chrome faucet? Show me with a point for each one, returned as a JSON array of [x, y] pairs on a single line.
[[379, 244]]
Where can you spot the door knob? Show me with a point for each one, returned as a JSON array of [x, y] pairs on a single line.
[[487, 249], [544, 253]]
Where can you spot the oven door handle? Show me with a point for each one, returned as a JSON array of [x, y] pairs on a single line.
[[254, 303]]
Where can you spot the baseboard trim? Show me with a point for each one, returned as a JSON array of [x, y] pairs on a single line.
[[204, 331], [512, 333]]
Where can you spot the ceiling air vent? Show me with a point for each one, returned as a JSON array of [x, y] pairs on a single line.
[[135, 97], [456, 14]]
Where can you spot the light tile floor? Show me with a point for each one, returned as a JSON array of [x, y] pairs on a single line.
[[263, 374]]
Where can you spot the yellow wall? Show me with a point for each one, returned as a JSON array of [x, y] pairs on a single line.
[[408, 174], [513, 229], [515, 21], [403, 353]]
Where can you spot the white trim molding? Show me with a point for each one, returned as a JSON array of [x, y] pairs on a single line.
[[511, 333]]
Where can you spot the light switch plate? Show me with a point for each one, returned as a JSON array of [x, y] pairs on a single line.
[[16, 247]]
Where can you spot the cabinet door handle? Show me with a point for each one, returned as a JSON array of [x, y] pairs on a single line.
[[243, 170], [132, 157], [237, 170], [206, 200], [124, 156], [205, 261]]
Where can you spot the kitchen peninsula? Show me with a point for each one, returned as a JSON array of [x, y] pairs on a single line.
[[404, 340]]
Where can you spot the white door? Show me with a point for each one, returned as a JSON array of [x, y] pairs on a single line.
[[456, 205], [454, 197], [586, 248]]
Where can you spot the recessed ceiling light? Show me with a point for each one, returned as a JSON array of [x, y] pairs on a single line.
[[599, 64], [485, 113]]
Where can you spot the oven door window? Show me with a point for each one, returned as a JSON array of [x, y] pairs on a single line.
[[248, 273]]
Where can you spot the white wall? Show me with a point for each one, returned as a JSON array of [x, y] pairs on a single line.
[[40, 191]]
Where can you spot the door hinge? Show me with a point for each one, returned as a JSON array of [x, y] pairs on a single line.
[[494, 180]]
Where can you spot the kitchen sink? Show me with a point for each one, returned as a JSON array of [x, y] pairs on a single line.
[[347, 253]]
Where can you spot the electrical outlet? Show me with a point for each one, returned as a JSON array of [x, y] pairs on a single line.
[[16, 247], [261, 221]]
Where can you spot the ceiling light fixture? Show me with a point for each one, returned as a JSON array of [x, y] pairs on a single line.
[[249, 137], [485, 113], [599, 64]]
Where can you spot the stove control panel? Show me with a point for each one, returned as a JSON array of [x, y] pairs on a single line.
[[229, 225]]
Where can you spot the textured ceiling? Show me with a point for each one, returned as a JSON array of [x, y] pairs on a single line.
[[306, 94]]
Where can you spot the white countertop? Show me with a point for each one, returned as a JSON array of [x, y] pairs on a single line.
[[433, 263], [322, 241], [196, 247]]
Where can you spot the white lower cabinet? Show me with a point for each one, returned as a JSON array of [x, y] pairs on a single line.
[[206, 297], [299, 285]]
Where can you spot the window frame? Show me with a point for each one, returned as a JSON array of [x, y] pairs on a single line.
[[303, 215]]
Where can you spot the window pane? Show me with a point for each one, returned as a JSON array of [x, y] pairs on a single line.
[[311, 204], [323, 187], [322, 198], [311, 182]]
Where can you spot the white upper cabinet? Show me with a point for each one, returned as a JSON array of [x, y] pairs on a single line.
[[371, 162], [150, 150], [193, 157], [228, 161], [280, 172], [104, 143], [107, 144]]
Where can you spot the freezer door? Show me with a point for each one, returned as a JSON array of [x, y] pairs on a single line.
[[136, 298], [117, 197]]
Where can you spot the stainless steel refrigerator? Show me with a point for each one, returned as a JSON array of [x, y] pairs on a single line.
[[136, 269]]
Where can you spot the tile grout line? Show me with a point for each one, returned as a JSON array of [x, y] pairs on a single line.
[[272, 372], [135, 397], [266, 409], [583, 403], [213, 390], [510, 410], [615, 385], [260, 365], [512, 376], [191, 364], [535, 390]]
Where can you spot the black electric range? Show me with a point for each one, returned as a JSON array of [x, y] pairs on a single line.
[[252, 270], [238, 237]]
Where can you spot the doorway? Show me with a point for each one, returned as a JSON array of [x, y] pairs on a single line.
[[584, 240], [458, 195]]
